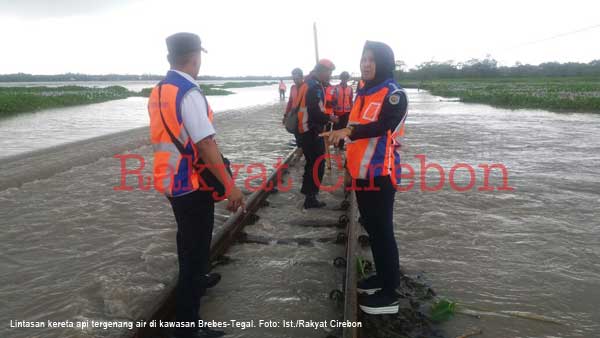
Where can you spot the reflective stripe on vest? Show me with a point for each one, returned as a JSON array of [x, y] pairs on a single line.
[[173, 172], [300, 102], [342, 97], [375, 156]]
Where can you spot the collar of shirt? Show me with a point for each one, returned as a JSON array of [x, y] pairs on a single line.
[[185, 76]]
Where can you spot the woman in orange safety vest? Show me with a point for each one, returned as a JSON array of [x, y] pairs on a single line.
[[376, 122]]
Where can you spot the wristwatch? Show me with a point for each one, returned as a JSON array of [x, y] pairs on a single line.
[[351, 127]]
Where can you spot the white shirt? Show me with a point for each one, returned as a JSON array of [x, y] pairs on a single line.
[[194, 113]]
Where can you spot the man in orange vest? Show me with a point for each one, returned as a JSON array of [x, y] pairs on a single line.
[[298, 78], [311, 121], [342, 103], [282, 89], [182, 134]]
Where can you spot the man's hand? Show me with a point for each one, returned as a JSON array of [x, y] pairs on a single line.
[[334, 118], [210, 154], [334, 137], [235, 200]]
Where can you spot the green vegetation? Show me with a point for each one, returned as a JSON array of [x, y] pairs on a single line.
[[245, 84], [146, 92], [571, 94], [15, 100], [442, 310], [210, 90], [488, 68], [569, 87], [361, 266]]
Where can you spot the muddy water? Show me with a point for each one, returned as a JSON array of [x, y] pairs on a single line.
[[284, 270], [73, 248], [513, 254], [49, 127]]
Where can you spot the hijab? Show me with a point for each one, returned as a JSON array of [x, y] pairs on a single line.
[[384, 62]]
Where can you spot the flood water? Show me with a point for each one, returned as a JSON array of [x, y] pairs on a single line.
[[49, 127], [73, 248], [531, 251]]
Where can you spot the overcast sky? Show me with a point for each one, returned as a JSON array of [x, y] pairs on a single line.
[[272, 37]]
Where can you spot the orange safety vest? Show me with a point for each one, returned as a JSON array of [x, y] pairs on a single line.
[[329, 100], [342, 98], [173, 171], [374, 156], [299, 101], [294, 92]]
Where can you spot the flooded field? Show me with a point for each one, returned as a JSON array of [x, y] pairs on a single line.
[[31, 131], [73, 248]]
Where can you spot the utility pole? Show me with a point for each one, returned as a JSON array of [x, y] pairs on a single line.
[[316, 42]]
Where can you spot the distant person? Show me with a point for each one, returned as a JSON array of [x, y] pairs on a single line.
[[298, 78], [376, 122], [342, 103], [182, 133], [312, 120], [282, 89]]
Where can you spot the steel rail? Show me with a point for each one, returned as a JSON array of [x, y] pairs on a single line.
[[223, 239]]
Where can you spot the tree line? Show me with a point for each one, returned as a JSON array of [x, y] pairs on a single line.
[[474, 68], [488, 68]]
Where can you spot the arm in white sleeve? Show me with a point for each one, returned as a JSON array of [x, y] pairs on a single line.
[[194, 113]]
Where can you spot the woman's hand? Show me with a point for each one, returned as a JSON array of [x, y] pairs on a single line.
[[334, 137]]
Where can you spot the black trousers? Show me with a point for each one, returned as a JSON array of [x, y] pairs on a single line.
[[377, 212], [194, 213], [298, 138], [313, 147]]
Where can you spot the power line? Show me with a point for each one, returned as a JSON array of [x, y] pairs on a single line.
[[555, 36]]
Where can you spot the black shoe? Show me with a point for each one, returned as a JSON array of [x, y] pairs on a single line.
[[311, 202], [209, 280], [380, 303], [202, 333], [368, 285]]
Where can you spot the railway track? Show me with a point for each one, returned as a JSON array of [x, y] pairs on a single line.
[[232, 229]]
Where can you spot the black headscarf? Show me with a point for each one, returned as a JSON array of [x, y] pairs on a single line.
[[384, 62]]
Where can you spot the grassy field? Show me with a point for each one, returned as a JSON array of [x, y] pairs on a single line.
[[244, 84], [208, 90], [16, 100], [566, 94]]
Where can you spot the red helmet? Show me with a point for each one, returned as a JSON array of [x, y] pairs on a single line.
[[327, 64]]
